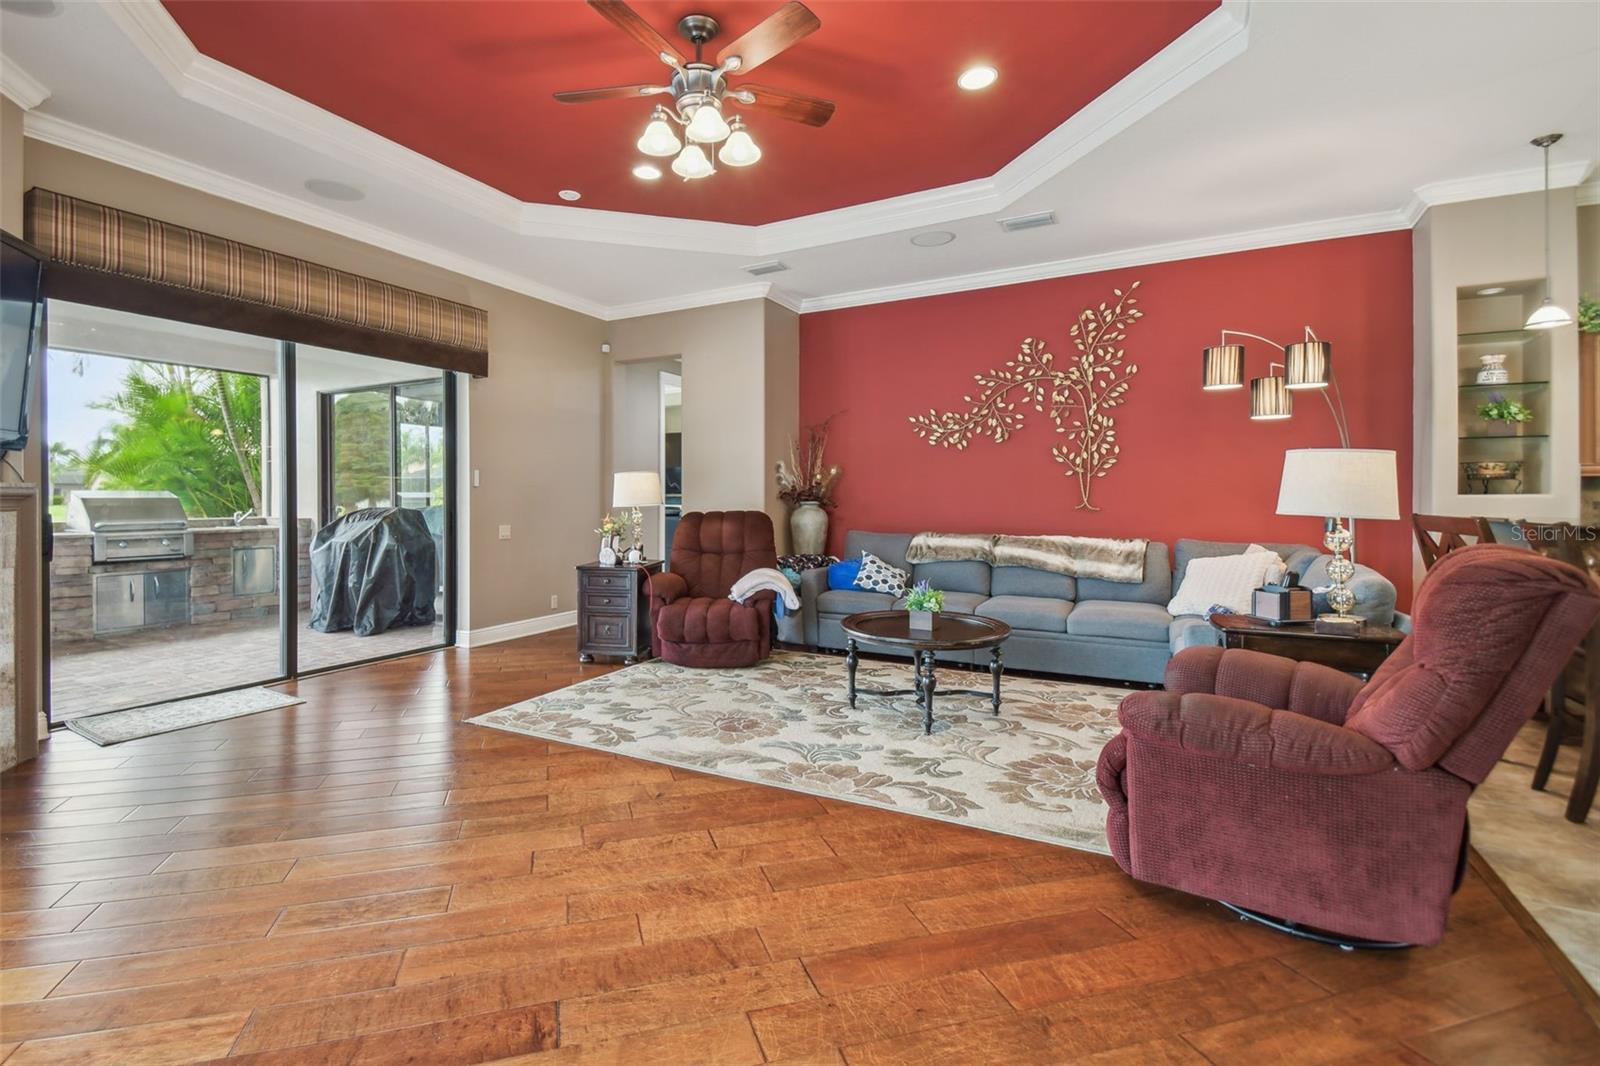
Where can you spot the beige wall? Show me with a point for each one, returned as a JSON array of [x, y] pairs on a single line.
[[1589, 251], [740, 367], [532, 429]]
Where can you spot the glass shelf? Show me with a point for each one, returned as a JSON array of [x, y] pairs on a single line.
[[1502, 336], [1506, 385], [1506, 436]]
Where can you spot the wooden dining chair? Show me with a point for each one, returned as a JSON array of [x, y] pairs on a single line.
[[1572, 703], [1439, 534]]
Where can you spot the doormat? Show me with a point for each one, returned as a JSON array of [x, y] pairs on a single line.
[[117, 727]]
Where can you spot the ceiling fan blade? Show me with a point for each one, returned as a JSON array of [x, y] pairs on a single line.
[[615, 92], [628, 21], [776, 32], [797, 107]]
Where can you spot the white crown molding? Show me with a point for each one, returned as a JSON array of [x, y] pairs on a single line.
[[1504, 183], [759, 290], [52, 130], [1589, 194], [525, 627], [1276, 236], [1216, 39], [20, 87]]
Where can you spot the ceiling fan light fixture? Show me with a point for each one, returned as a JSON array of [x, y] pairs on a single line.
[[659, 138], [740, 150], [979, 77], [706, 125], [692, 163]]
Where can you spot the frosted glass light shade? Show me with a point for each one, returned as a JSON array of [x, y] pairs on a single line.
[[636, 488], [706, 125], [692, 163], [1548, 315], [740, 149], [659, 139], [1339, 483]]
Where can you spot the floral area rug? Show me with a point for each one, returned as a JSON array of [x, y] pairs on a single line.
[[1028, 772]]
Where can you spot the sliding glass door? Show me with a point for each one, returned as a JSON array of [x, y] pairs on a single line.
[[196, 475]]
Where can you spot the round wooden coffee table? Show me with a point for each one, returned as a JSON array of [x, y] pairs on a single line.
[[951, 632]]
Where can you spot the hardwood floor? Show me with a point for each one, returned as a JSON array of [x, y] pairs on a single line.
[[365, 879]]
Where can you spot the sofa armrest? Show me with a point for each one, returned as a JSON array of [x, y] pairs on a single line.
[[1311, 689], [666, 587], [813, 583], [1245, 732]]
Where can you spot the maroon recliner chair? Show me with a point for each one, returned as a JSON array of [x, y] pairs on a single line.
[[691, 618], [1292, 790]]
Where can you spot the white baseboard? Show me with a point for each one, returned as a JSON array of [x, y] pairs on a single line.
[[526, 627]]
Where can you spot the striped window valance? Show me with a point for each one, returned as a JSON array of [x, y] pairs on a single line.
[[383, 319]]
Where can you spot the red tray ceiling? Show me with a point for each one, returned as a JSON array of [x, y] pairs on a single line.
[[469, 84]]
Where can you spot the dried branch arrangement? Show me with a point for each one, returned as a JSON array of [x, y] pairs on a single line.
[[1076, 394], [804, 476]]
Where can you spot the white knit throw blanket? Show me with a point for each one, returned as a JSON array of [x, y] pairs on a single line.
[[765, 578]]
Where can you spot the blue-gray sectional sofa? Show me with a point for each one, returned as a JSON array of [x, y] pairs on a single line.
[[1064, 625]]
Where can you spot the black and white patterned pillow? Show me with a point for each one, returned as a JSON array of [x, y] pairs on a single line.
[[878, 576]]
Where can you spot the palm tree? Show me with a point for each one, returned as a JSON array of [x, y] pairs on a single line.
[[193, 432]]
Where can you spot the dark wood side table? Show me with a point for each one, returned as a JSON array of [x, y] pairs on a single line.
[[614, 610], [1360, 654]]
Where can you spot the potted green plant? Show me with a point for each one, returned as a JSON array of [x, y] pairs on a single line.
[[1588, 315], [1505, 416], [923, 604]]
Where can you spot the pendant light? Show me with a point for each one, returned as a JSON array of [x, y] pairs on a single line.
[[1549, 314], [1222, 367], [740, 149], [692, 163], [659, 138], [1269, 399], [1307, 364], [706, 125]]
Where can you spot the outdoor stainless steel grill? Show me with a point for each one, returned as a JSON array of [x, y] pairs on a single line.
[[130, 526]]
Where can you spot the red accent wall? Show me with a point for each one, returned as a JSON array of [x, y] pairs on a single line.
[[1192, 463]]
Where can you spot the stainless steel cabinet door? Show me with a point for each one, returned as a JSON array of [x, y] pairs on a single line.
[[118, 602]]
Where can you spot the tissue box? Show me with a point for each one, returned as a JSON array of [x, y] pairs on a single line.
[[1281, 603]]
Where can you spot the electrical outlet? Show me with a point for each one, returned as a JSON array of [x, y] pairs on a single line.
[[505, 532], [555, 601]]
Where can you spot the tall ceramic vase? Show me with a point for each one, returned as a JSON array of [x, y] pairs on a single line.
[[808, 528]]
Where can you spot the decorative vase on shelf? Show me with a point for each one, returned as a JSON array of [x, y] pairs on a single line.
[[1494, 370], [808, 527], [608, 551]]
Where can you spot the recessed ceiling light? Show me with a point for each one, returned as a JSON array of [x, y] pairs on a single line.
[[570, 195], [974, 78], [933, 238], [1493, 290], [647, 172], [334, 190]]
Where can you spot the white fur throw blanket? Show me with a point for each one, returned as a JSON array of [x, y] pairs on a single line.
[[950, 548], [1104, 558], [761, 579]]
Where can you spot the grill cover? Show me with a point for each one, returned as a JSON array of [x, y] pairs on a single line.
[[373, 569]]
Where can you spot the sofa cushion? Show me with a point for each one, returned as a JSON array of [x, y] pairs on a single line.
[[955, 602], [965, 576], [1026, 581], [853, 601], [1043, 613], [1120, 619], [1186, 550], [1155, 588], [1192, 631], [890, 547]]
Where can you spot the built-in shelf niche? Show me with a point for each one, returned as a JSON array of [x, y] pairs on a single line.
[[1491, 457]]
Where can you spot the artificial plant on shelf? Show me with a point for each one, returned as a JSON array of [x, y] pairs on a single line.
[[1588, 315], [805, 483], [1500, 409]]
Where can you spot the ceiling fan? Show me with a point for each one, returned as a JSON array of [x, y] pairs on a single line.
[[700, 92]]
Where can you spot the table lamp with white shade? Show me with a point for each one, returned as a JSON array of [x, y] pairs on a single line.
[[1335, 484], [636, 489]]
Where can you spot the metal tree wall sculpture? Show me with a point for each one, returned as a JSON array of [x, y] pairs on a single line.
[[1076, 394]]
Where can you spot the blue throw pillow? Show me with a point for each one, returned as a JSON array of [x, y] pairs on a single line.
[[842, 575]]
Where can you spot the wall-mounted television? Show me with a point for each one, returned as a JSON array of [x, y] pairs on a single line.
[[21, 331]]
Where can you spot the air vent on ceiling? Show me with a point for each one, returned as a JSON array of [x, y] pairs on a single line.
[[1033, 221], [771, 266]]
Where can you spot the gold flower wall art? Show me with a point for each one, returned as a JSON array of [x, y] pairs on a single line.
[[1077, 394]]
